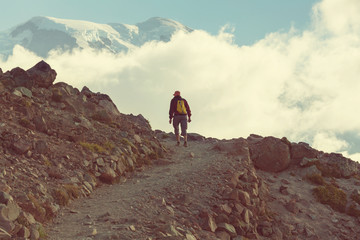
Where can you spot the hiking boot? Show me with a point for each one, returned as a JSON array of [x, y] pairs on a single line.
[[185, 144], [178, 144]]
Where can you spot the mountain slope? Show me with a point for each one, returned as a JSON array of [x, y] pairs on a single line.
[[43, 34], [58, 144]]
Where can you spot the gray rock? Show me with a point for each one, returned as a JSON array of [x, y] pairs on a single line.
[[244, 198], [5, 198], [24, 91], [239, 208], [230, 229], [121, 168], [130, 163], [190, 236], [225, 208], [21, 146], [309, 171], [86, 163], [8, 214], [137, 138], [100, 162], [17, 93], [211, 224], [305, 161], [246, 215], [13, 211]]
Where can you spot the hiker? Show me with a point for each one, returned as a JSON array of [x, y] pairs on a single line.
[[180, 111]]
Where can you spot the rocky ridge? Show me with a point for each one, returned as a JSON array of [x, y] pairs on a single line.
[[59, 144]]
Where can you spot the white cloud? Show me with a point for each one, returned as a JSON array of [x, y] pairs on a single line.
[[20, 58], [337, 17], [328, 142], [355, 156], [299, 84]]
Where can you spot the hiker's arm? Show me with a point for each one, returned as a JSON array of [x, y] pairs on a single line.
[[171, 111], [188, 110]]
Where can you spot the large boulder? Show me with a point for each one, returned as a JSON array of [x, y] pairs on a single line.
[[109, 106], [21, 78], [302, 150], [270, 154], [42, 74], [336, 165], [99, 106]]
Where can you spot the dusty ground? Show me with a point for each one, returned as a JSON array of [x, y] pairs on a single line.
[[163, 200], [169, 199], [296, 208]]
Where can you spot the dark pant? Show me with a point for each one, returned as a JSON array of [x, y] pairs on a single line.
[[182, 120]]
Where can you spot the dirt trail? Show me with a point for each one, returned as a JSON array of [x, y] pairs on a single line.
[[162, 201]]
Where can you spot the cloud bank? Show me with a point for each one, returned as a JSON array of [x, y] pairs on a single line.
[[300, 84]]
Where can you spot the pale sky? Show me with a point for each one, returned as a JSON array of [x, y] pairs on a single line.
[[252, 19], [274, 68]]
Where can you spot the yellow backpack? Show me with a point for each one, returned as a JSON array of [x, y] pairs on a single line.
[[181, 107]]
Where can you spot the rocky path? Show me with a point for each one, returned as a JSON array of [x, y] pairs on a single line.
[[162, 202]]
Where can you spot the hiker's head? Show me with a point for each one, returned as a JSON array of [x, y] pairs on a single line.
[[177, 93]]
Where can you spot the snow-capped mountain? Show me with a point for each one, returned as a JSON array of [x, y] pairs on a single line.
[[43, 34]]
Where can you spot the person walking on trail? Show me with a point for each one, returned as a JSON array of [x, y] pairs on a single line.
[[179, 114]]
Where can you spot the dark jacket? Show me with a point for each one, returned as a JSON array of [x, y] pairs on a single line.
[[173, 106]]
